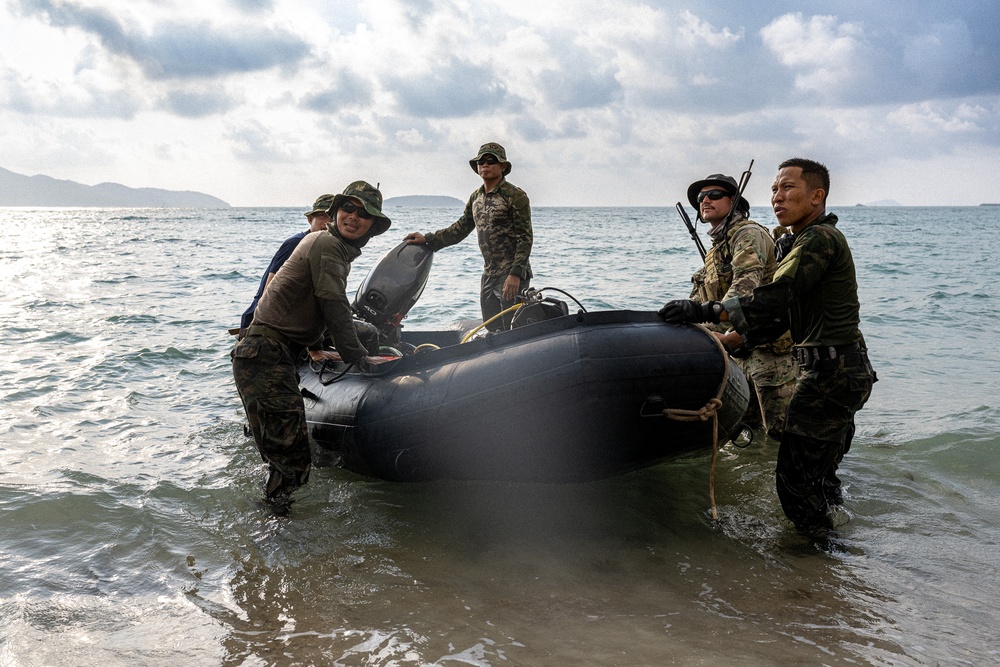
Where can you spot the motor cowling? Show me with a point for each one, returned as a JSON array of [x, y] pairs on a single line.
[[392, 286]]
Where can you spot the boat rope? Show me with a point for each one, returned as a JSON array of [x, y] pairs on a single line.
[[709, 411], [497, 316]]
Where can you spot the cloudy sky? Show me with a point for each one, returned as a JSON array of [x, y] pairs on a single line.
[[272, 102]]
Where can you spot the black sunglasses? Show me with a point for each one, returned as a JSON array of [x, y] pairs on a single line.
[[487, 159], [714, 195], [350, 207]]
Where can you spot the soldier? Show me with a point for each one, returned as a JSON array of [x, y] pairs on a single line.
[[306, 300], [318, 218], [501, 215], [814, 294], [742, 258]]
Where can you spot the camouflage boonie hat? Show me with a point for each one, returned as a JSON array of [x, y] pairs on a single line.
[[370, 197], [494, 149], [322, 205]]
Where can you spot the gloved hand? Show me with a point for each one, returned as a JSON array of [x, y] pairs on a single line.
[[686, 310]]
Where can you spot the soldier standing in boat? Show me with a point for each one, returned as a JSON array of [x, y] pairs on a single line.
[[305, 302], [501, 215], [742, 258], [814, 294]]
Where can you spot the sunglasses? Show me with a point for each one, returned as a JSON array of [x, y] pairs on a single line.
[[487, 159], [350, 207], [714, 195]]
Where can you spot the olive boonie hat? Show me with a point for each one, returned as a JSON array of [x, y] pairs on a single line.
[[494, 149], [368, 195], [322, 205], [727, 183]]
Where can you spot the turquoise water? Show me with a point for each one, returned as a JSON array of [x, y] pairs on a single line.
[[132, 532]]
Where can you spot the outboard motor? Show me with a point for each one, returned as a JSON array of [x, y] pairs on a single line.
[[391, 288]]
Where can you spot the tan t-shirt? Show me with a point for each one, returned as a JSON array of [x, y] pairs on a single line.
[[308, 296]]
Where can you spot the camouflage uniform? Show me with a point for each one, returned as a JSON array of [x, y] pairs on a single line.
[[814, 294], [749, 263], [305, 301], [502, 220]]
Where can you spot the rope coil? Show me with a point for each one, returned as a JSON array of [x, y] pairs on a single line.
[[709, 411]]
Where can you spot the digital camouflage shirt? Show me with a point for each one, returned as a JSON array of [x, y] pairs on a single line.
[[502, 220], [814, 293]]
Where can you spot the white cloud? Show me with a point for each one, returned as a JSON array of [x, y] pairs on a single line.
[[822, 51], [695, 33], [936, 118], [254, 141]]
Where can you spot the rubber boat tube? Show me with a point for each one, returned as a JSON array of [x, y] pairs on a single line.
[[572, 398]]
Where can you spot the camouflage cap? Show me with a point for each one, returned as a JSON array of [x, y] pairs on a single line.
[[322, 205], [370, 197], [727, 183], [494, 149]]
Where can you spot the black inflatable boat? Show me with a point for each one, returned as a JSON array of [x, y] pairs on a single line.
[[559, 397]]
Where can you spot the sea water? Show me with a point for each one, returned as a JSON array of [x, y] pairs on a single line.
[[131, 530]]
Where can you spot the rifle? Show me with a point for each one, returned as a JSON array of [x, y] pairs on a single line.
[[727, 253], [744, 179], [691, 230]]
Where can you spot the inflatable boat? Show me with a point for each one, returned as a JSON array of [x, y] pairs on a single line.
[[558, 397]]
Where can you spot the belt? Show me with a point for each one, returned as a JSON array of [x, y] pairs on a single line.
[[268, 332], [830, 357]]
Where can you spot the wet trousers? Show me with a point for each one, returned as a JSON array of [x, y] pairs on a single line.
[[266, 377], [818, 431]]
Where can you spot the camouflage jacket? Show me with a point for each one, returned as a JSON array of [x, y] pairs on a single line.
[[814, 293], [502, 220], [751, 263]]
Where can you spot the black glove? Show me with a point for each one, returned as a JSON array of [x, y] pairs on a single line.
[[685, 310]]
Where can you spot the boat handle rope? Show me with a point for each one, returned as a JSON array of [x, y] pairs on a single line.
[[709, 411]]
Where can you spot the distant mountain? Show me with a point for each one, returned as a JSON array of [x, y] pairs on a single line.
[[20, 190], [424, 201], [882, 202]]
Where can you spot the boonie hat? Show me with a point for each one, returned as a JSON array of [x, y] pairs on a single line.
[[370, 197], [322, 205], [494, 149], [727, 183]]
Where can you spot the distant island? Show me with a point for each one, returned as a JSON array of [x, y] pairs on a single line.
[[881, 202], [20, 190], [424, 201]]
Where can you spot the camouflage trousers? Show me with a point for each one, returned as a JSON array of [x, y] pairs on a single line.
[[772, 381], [268, 383], [819, 428], [491, 302]]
